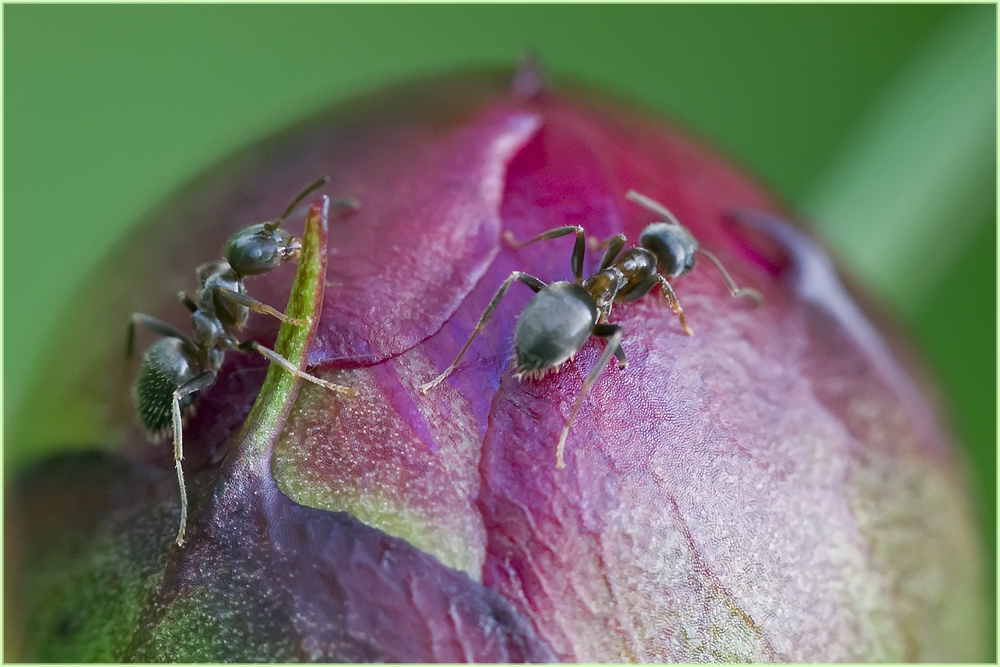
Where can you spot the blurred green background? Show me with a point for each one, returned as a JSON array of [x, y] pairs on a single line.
[[879, 122]]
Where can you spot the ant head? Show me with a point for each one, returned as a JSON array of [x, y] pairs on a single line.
[[259, 248], [673, 246], [670, 241]]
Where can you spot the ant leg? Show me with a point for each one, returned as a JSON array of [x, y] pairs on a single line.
[[602, 320], [675, 305], [593, 245], [638, 290], [612, 335], [652, 205], [579, 248], [188, 302], [256, 306], [748, 292], [619, 352], [157, 325], [189, 387], [535, 284], [615, 245], [276, 358], [605, 331]]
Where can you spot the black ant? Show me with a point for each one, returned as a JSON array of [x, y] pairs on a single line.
[[176, 367], [562, 316]]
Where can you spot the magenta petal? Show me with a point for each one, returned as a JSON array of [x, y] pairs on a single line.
[[428, 228], [263, 578], [773, 488]]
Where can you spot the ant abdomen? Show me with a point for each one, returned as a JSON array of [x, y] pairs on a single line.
[[553, 326], [167, 364]]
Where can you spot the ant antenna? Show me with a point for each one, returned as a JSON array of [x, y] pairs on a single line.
[[315, 185], [661, 210], [652, 205], [733, 289]]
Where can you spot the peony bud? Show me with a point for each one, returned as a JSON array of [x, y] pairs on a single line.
[[774, 487]]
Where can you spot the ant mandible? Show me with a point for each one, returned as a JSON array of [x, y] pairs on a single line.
[[562, 316], [176, 367]]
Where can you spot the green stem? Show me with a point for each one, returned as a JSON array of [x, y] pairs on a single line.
[[267, 417]]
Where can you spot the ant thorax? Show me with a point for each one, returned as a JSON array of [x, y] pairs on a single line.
[[208, 330], [637, 264], [619, 281], [218, 276], [604, 286]]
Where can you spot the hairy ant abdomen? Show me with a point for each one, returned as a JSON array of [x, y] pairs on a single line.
[[166, 365], [555, 324]]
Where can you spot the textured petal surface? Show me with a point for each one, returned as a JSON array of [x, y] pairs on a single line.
[[773, 488]]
